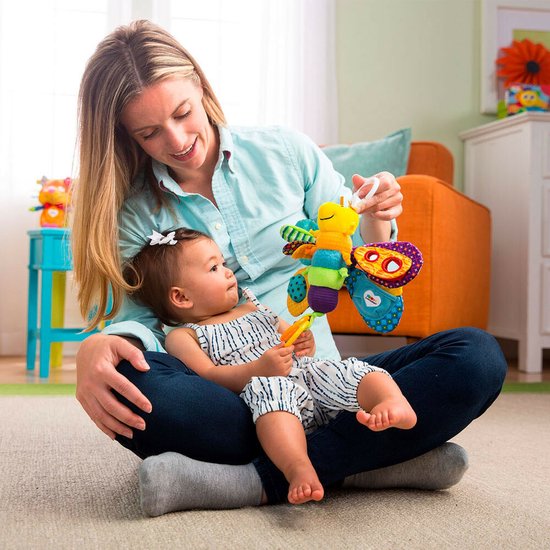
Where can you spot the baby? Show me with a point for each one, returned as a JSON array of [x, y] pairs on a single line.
[[182, 276]]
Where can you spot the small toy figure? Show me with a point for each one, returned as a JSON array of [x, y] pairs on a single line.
[[526, 97], [54, 201], [374, 274]]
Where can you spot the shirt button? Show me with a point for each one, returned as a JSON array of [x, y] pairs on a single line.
[[218, 226], [244, 259]]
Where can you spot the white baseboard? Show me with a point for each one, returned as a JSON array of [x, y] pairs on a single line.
[[13, 343], [360, 345]]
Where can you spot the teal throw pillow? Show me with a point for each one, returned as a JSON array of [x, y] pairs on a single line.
[[390, 154]]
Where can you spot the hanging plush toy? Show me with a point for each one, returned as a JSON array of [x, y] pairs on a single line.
[[54, 201], [374, 273]]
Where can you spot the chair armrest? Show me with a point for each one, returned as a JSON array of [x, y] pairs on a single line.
[[431, 158]]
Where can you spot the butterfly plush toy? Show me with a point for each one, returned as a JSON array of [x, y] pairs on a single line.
[[374, 273]]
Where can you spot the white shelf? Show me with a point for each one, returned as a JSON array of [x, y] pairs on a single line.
[[507, 168]]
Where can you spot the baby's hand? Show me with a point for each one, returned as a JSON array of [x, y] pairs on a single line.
[[276, 361], [305, 344]]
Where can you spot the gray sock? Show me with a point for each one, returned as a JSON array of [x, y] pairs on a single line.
[[171, 482], [438, 469]]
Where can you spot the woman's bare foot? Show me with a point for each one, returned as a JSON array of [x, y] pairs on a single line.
[[304, 485], [394, 412]]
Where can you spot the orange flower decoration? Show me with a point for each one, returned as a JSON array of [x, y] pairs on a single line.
[[525, 63]]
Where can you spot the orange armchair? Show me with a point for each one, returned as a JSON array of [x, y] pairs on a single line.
[[453, 233]]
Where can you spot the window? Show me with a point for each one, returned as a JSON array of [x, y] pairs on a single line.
[[43, 49], [269, 61], [43, 57]]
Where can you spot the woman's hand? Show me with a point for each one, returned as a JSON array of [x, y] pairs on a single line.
[[383, 206], [96, 376], [305, 344]]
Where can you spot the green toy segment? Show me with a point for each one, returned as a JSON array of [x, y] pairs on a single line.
[[293, 233], [330, 278]]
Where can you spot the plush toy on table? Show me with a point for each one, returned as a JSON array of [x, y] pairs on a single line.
[[374, 273], [54, 199]]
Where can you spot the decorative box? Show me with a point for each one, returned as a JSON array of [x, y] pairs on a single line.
[[519, 98]]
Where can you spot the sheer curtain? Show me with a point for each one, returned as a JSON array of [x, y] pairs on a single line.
[[269, 61], [298, 86], [43, 49]]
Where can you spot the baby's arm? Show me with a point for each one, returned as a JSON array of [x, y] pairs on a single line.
[[181, 343], [304, 344]]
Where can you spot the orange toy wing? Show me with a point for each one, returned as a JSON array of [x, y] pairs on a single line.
[[390, 264]]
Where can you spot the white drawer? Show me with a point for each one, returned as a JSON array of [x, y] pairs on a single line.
[[545, 154], [545, 295], [546, 220]]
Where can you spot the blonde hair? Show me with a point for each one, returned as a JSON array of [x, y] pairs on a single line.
[[126, 62]]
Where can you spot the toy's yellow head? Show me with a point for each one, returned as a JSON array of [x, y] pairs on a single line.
[[528, 98], [337, 218]]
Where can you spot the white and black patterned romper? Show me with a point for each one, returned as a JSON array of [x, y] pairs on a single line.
[[316, 390]]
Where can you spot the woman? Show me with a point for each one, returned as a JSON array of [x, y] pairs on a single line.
[[155, 153]]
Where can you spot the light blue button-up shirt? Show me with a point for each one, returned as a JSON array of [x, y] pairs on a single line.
[[264, 178]]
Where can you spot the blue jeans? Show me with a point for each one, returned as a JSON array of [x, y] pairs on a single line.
[[449, 378]]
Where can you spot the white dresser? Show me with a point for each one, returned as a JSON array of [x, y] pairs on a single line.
[[507, 168]]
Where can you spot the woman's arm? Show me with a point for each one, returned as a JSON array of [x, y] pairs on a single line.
[[96, 376], [322, 184], [276, 361]]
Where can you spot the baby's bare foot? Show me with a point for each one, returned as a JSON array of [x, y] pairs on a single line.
[[390, 413], [304, 485]]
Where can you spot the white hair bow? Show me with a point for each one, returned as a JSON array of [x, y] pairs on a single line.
[[159, 238]]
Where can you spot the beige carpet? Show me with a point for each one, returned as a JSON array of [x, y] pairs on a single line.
[[63, 484]]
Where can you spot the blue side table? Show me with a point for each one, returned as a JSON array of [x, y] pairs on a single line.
[[50, 254]]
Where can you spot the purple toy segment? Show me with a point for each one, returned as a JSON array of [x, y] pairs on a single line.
[[322, 299], [406, 248]]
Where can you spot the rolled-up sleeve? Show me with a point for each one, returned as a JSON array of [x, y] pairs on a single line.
[[133, 329]]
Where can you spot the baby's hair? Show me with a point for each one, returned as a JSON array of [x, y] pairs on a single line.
[[156, 269]]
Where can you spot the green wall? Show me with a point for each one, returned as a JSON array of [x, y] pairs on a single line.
[[409, 63]]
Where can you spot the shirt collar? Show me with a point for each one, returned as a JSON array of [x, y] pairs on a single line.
[[167, 183], [227, 147]]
